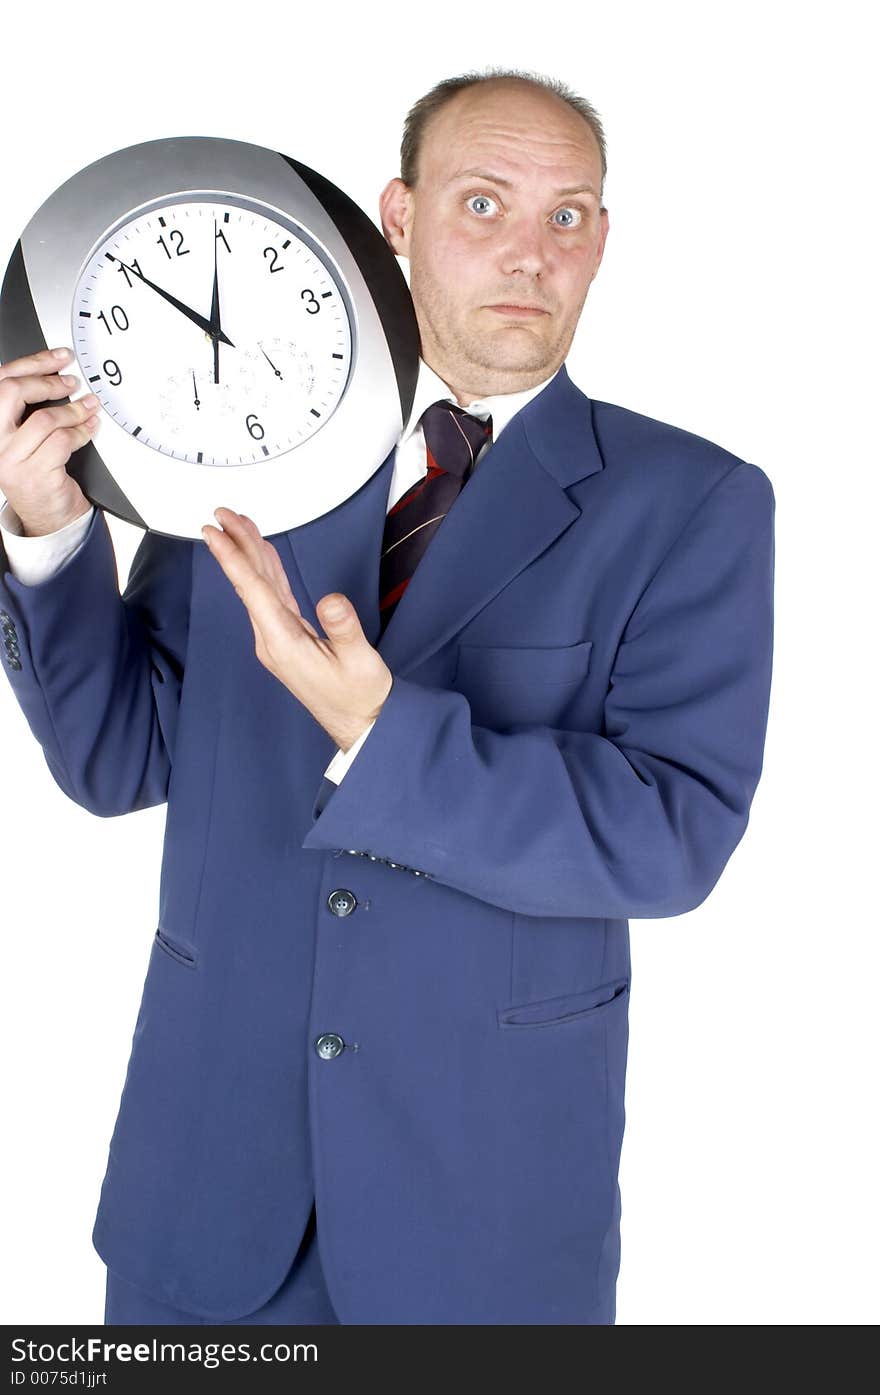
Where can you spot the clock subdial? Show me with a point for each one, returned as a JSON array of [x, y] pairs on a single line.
[[248, 377], [146, 328], [290, 362]]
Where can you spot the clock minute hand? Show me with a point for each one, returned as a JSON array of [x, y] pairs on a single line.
[[178, 304], [215, 313]]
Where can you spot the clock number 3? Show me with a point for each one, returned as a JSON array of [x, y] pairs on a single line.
[[313, 305]]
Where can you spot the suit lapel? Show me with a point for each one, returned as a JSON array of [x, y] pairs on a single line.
[[512, 509]]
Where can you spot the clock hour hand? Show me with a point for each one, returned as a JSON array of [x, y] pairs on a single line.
[[178, 304]]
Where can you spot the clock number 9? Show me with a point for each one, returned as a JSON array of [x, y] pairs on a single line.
[[120, 323], [112, 370], [313, 305], [254, 427]]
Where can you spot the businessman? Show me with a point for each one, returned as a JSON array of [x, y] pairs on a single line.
[[377, 1075]]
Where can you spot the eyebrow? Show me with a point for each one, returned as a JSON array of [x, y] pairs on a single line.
[[508, 183]]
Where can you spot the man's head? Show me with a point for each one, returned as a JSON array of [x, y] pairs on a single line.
[[499, 204]]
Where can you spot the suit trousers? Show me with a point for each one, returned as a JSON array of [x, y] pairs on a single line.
[[301, 1298]]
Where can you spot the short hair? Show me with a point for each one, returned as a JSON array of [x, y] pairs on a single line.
[[420, 113]]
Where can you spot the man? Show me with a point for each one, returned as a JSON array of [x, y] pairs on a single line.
[[386, 1009]]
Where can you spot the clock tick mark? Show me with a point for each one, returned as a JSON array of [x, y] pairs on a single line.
[[136, 431]]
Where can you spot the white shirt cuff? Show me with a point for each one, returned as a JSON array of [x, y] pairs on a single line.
[[32, 560], [343, 759]]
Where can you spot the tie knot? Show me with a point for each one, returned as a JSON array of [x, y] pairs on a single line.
[[454, 437]]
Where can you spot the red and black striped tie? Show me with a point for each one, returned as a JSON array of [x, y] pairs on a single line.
[[453, 439]]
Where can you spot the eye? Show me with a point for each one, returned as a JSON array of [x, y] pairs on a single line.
[[573, 214], [481, 199]]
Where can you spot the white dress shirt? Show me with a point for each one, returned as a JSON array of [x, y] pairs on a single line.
[[34, 560]]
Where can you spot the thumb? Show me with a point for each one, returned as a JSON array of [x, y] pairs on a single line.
[[339, 617]]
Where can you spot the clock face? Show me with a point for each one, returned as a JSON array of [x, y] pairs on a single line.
[[244, 325], [213, 330]]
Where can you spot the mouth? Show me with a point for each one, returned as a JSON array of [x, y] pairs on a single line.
[[517, 310]]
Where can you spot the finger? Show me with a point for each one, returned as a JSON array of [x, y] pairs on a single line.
[[280, 577], [41, 424], [255, 591], [18, 392], [246, 534], [52, 456], [44, 361], [276, 572], [273, 623]]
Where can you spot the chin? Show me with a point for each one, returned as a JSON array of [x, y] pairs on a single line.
[[528, 356]]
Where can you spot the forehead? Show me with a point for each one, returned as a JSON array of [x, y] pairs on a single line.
[[515, 131]]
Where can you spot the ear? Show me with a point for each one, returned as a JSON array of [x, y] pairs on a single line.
[[603, 233], [396, 209]]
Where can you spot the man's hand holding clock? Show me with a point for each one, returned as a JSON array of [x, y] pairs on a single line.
[[342, 679]]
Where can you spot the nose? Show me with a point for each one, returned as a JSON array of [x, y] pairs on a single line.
[[526, 248]]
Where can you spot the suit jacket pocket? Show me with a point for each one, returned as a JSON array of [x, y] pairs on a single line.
[[508, 684], [571, 1007], [178, 949]]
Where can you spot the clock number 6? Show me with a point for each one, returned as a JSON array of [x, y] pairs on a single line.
[[313, 305], [254, 427]]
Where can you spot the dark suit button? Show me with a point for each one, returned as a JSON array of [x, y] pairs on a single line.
[[341, 901], [329, 1045]]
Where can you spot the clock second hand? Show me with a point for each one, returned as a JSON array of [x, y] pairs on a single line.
[[277, 371]]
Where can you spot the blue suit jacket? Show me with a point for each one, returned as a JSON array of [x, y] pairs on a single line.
[[574, 734]]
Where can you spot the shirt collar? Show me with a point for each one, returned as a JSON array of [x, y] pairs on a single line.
[[430, 387]]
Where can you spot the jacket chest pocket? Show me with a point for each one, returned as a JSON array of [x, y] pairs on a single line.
[[506, 685]]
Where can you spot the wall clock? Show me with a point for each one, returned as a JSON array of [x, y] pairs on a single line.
[[245, 326]]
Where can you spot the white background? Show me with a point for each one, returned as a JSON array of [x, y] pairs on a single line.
[[737, 299]]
